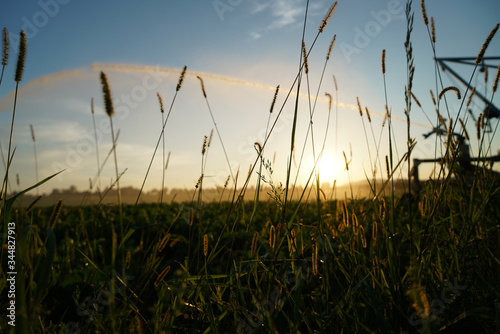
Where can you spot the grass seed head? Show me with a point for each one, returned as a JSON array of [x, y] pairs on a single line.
[[416, 100], [335, 83], [346, 162], [210, 138], [346, 213], [204, 147], [387, 167], [419, 298], [181, 79], [383, 209], [32, 133], [472, 92], [21, 57], [176, 240], [5, 50], [327, 17], [433, 31], [359, 107], [274, 99], [54, 217], [114, 239], [315, 259], [495, 82], [162, 275], [432, 97], [202, 86], [355, 225], [329, 101], [330, 48], [422, 205], [168, 160], [106, 91], [272, 236], [334, 232], [480, 55], [478, 126], [368, 115], [449, 133], [254, 243], [199, 181], [160, 100], [128, 258], [383, 61], [304, 56], [258, 146], [205, 245], [163, 242], [424, 12], [166, 318], [32, 205], [441, 120], [450, 88], [363, 237], [386, 116], [293, 240]]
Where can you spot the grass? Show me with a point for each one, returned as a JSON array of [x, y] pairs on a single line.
[[425, 262]]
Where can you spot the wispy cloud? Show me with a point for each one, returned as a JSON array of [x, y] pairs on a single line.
[[259, 6], [61, 132], [284, 14], [255, 35]]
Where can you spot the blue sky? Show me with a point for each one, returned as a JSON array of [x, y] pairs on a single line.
[[255, 42]]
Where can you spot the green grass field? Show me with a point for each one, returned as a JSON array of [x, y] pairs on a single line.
[[188, 268]]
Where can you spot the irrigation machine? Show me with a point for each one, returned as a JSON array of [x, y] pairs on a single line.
[[457, 155]]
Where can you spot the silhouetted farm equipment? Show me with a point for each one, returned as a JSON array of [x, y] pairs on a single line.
[[457, 157]]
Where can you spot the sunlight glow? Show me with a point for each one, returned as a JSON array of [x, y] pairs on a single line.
[[329, 168]]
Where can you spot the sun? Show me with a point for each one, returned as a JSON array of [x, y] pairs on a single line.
[[329, 168]]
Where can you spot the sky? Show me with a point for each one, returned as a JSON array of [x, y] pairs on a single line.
[[242, 49]]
